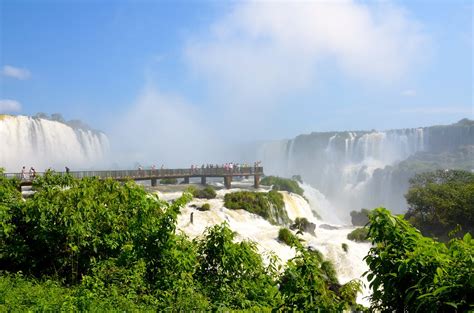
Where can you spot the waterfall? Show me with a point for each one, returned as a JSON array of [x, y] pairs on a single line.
[[41, 143], [358, 169], [348, 265]]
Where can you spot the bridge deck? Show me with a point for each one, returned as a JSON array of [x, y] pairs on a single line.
[[150, 174]]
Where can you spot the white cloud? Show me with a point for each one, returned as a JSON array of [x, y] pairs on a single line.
[[16, 72], [263, 49], [409, 93], [8, 105]]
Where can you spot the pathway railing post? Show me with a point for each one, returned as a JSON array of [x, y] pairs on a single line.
[[256, 181], [228, 181]]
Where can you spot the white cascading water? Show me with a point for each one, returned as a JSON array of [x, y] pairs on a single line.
[[341, 165], [41, 143], [349, 265]]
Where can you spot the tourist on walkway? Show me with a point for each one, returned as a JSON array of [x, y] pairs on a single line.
[[32, 173], [23, 173]]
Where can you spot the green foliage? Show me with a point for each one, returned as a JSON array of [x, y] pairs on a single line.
[[206, 193], [309, 284], [168, 181], [233, 275], [205, 207], [268, 205], [62, 231], [360, 218], [279, 183], [286, 236], [51, 179], [10, 201], [439, 201], [101, 245], [358, 234], [345, 247], [302, 224], [409, 272], [19, 294]]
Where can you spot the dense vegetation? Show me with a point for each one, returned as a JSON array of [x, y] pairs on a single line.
[[269, 205], [205, 207], [280, 183], [287, 237], [409, 272], [206, 193], [358, 234], [101, 245], [441, 201]]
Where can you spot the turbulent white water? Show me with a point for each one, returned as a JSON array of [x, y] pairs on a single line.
[[41, 143], [349, 265]]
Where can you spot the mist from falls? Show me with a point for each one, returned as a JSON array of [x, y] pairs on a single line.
[[41, 143]]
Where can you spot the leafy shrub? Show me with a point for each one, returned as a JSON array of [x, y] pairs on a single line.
[[18, 294], [286, 236], [302, 224], [345, 247], [168, 181], [358, 234], [408, 271], [205, 207], [309, 284], [63, 231], [280, 183], [207, 193], [440, 201], [360, 218], [268, 205], [51, 179], [233, 275]]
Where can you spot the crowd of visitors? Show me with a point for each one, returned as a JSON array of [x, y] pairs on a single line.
[[228, 167]]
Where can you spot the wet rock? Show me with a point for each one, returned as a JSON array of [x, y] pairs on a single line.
[[329, 227]]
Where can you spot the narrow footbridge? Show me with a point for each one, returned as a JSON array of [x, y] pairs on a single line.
[[156, 174]]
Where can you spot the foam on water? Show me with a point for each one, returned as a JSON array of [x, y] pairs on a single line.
[[349, 265]]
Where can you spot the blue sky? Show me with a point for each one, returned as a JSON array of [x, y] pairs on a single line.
[[245, 70]]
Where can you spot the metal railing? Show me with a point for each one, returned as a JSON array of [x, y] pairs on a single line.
[[150, 173]]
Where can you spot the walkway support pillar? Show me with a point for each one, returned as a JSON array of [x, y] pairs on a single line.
[[153, 182], [228, 182], [186, 180], [203, 180], [256, 181]]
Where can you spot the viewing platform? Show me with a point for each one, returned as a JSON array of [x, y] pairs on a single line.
[[153, 175]]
